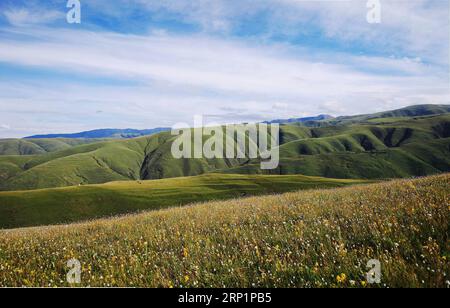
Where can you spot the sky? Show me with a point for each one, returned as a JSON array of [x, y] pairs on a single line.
[[147, 63]]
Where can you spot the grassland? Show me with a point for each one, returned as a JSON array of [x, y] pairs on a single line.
[[73, 204], [318, 238], [403, 113], [417, 146], [39, 146]]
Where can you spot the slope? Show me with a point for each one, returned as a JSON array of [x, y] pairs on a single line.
[[38, 146], [415, 146], [320, 238], [64, 205]]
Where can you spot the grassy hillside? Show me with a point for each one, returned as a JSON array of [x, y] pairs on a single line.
[[411, 111], [87, 164], [11, 166], [412, 146], [119, 160], [320, 238], [64, 205], [389, 149], [38, 146], [386, 116]]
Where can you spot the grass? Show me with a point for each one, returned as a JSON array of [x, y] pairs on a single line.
[[370, 151], [413, 147], [11, 166], [404, 113], [72, 204], [319, 238], [39, 146]]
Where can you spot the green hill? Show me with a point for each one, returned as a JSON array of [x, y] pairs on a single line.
[[70, 204], [411, 111], [411, 147], [372, 151], [319, 238], [385, 145], [386, 116], [38, 146], [415, 146]]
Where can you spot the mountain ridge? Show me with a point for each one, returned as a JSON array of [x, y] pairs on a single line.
[[104, 133], [319, 120], [320, 117], [409, 147], [366, 147]]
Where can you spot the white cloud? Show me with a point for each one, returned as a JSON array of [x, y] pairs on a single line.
[[25, 17], [212, 64], [5, 126], [179, 76], [407, 26], [228, 79], [411, 27]]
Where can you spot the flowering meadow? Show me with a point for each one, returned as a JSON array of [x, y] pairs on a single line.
[[317, 238]]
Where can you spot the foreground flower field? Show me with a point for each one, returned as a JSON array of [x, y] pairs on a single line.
[[320, 238]]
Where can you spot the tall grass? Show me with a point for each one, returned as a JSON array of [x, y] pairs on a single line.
[[320, 238]]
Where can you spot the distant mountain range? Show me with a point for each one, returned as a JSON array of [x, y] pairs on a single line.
[[321, 117], [413, 141], [315, 121], [327, 120], [104, 133], [128, 133]]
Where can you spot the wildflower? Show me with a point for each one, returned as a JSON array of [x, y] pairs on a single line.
[[341, 278], [316, 268], [364, 283], [186, 278], [185, 252]]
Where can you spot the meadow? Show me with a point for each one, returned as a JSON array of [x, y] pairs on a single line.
[[315, 238], [78, 203]]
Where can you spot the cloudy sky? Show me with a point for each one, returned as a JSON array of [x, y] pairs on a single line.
[[150, 63]]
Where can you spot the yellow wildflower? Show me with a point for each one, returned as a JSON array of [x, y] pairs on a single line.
[[185, 252], [341, 278]]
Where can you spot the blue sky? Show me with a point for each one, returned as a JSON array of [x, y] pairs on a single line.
[[143, 63]]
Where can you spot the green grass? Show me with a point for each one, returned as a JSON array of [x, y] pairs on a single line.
[[318, 238], [404, 113], [39, 146], [11, 166], [417, 159], [411, 147], [87, 164], [70, 204]]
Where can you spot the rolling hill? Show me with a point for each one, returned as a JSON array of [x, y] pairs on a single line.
[[411, 146], [380, 117], [411, 111], [39, 146], [72, 204], [319, 238]]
